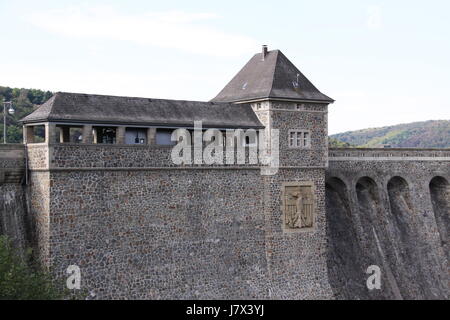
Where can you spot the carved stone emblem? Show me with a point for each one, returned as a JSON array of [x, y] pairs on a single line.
[[298, 205]]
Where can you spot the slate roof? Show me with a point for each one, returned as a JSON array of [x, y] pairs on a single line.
[[89, 108], [274, 77]]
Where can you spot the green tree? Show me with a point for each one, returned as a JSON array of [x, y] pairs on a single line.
[[335, 143], [20, 281], [24, 102]]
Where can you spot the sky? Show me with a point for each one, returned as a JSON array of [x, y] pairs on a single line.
[[384, 62]]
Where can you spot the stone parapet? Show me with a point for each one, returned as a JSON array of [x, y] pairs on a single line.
[[348, 154]]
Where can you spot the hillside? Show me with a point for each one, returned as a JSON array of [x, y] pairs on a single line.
[[426, 134]]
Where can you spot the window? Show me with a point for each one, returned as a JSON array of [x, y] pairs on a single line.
[[136, 136], [299, 139], [298, 142], [35, 134], [292, 136], [250, 139], [299, 106], [164, 137], [306, 139], [258, 106], [106, 135]]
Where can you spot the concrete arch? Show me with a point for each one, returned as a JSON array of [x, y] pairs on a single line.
[[345, 271], [397, 186], [332, 176], [368, 196], [369, 203], [406, 179], [405, 243], [401, 207], [440, 199]]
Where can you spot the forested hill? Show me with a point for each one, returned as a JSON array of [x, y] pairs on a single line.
[[24, 102], [426, 134]]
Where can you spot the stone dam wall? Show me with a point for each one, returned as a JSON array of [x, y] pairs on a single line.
[[389, 207], [140, 228], [13, 204]]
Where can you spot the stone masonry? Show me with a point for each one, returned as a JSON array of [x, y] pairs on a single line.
[[140, 226]]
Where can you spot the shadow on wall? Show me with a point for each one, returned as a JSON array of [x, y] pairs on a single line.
[[440, 198], [370, 226], [403, 253], [370, 212], [344, 266], [349, 255], [13, 214]]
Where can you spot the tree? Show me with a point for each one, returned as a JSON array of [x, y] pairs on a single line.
[[20, 281], [24, 102], [335, 143]]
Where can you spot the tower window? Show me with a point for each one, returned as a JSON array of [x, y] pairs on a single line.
[[258, 106], [292, 136], [299, 139], [306, 140], [299, 106]]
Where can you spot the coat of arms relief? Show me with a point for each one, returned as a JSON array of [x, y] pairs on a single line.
[[298, 206]]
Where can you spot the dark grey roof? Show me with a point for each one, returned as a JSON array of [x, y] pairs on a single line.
[[89, 108], [274, 77]]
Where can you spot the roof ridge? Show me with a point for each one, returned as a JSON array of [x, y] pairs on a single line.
[[132, 97], [271, 77], [273, 71], [299, 73], [44, 109], [86, 108]]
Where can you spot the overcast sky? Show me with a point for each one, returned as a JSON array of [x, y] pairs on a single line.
[[384, 62]]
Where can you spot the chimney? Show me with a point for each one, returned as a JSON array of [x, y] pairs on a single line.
[[264, 52]]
